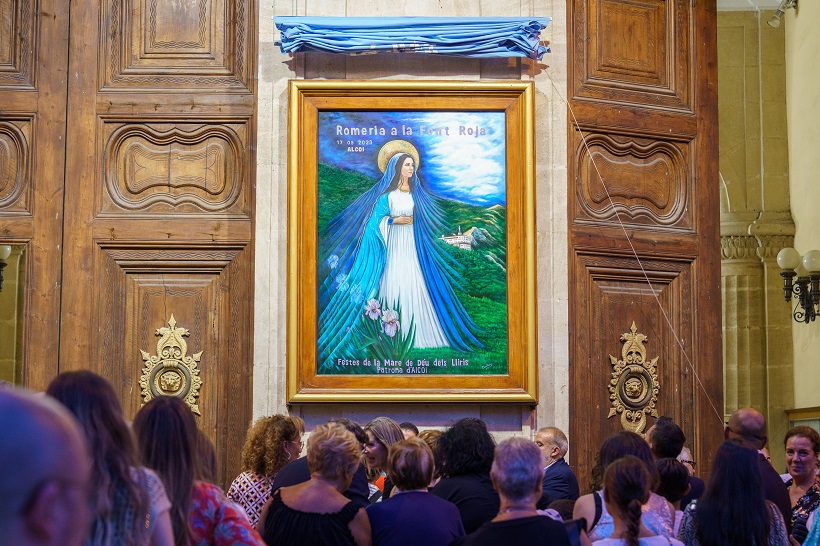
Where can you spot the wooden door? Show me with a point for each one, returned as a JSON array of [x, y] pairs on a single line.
[[159, 200], [33, 60], [644, 244]]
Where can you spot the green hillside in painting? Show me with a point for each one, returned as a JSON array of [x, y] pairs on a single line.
[[482, 270]]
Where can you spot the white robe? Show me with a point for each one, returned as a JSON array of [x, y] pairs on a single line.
[[402, 281]]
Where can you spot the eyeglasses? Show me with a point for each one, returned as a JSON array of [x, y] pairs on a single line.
[[687, 461], [300, 442]]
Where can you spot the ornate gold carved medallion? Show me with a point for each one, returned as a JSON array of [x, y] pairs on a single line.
[[634, 385], [171, 371]]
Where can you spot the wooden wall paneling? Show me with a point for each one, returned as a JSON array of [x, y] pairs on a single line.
[[203, 286], [707, 417], [648, 181], [160, 200], [639, 52], [33, 57], [19, 26], [643, 95], [615, 293]]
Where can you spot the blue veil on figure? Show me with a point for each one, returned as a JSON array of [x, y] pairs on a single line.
[[353, 256]]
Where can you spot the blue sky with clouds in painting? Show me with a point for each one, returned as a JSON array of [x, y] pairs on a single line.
[[462, 154]]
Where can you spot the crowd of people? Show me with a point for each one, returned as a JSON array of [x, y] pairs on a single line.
[[74, 471]]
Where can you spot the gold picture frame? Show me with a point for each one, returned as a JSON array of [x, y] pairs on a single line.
[[336, 129]]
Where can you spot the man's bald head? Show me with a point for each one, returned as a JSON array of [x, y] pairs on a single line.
[[748, 426], [44, 472]]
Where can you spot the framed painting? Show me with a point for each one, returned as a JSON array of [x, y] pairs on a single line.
[[411, 242]]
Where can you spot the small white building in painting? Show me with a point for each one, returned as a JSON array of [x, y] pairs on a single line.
[[461, 240]]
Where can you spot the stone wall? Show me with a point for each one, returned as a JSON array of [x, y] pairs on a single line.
[[802, 93], [755, 219], [549, 75], [11, 315]]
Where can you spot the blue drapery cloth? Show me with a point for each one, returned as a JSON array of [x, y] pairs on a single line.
[[459, 36]]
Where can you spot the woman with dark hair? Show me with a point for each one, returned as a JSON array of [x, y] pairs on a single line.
[[673, 485], [130, 505], [466, 450], [315, 513], [516, 473], [658, 513], [732, 510], [169, 443], [270, 444], [802, 448], [412, 515], [382, 432], [626, 490]]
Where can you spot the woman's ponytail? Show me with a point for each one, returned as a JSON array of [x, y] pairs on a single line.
[[626, 485], [633, 522]]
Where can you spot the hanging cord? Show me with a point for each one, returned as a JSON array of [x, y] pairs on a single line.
[[634, 252]]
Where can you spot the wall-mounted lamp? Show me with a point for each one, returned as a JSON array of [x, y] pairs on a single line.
[[5, 251], [806, 288], [774, 20]]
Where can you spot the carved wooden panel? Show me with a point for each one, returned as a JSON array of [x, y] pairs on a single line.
[[180, 45], [18, 25], [158, 168], [634, 51], [204, 287], [646, 182], [159, 197], [15, 161], [612, 292], [642, 90]]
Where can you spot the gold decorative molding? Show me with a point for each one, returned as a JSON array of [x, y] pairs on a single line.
[[171, 372], [634, 385]]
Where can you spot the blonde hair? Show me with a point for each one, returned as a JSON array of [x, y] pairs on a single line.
[[333, 451], [385, 430], [431, 438]]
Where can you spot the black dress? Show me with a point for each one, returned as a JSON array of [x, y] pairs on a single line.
[[531, 530], [285, 526], [473, 495], [296, 472]]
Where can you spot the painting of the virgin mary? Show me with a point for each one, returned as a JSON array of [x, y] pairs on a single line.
[[380, 258]]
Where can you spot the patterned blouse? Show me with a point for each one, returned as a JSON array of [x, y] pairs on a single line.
[[806, 504], [216, 521], [251, 491]]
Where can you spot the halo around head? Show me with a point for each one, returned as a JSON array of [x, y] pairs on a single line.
[[397, 147]]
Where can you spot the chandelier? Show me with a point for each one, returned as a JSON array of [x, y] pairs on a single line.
[[801, 281]]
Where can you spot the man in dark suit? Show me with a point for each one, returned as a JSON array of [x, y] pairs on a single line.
[[747, 426], [559, 480], [666, 439]]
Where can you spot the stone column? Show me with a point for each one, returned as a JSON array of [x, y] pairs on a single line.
[[757, 323], [755, 219], [744, 337], [778, 332]]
